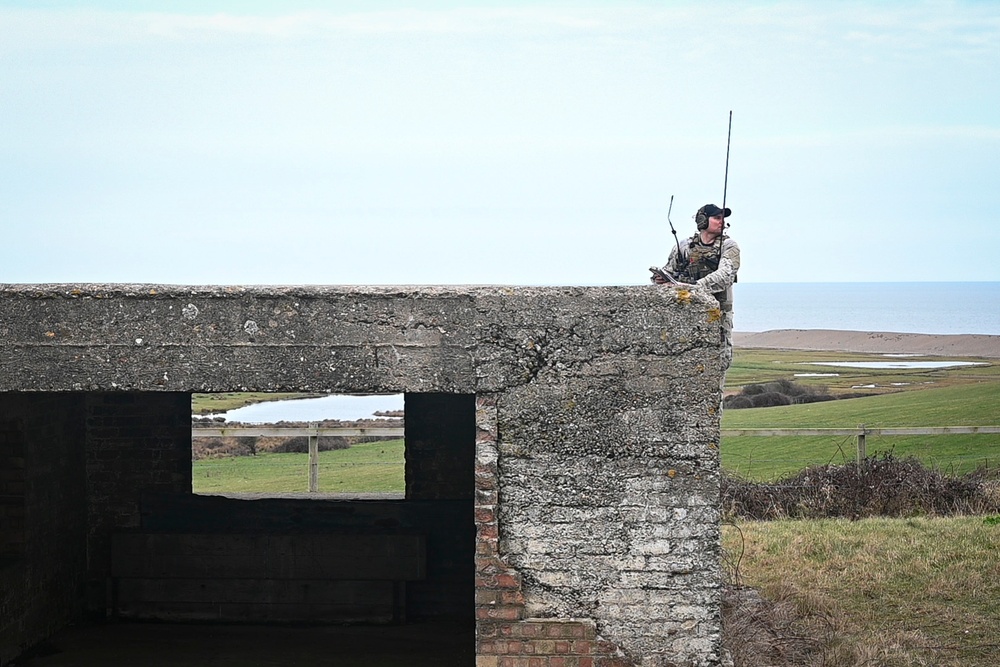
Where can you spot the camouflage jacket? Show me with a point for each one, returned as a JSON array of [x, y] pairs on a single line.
[[701, 263]]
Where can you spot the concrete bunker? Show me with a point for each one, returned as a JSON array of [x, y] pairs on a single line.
[[562, 464]]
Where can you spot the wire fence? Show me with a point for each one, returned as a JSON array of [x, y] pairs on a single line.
[[949, 449], [786, 450], [281, 473]]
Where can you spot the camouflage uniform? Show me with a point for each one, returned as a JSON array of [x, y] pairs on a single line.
[[701, 264]]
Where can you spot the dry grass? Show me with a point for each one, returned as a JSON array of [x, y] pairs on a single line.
[[886, 592]]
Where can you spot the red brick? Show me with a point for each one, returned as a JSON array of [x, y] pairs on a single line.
[[486, 596], [558, 629], [506, 580], [488, 566], [512, 597], [527, 629], [563, 647], [502, 613], [545, 646]]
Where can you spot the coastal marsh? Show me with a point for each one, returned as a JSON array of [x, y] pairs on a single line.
[[752, 366], [954, 396]]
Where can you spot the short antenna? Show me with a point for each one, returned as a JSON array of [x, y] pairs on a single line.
[[672, 230]]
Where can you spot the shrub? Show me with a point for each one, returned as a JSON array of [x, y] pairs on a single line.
[[736, 402], [786, 387], [878, 486], [300, 444], [769, 399], [813, 398], [779, 392]]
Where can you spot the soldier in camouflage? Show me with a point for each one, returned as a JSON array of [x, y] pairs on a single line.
[[709, 259]]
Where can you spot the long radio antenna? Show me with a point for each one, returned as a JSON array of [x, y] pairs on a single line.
[[725, 184]]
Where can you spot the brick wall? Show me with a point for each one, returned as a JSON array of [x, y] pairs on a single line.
[[44, 519], [136, 442], [504, 636], [440, 437], [12, 491]]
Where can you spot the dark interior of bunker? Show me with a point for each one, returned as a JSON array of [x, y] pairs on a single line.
[[100, 526]]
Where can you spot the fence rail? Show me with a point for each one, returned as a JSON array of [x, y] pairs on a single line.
[[312, 432], [292, 431], [315, 432], [861, 432]]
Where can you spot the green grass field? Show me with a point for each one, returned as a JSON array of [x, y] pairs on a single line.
[[375, 467], [967, 396], [964, 396]]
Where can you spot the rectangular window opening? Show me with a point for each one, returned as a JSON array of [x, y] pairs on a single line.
[[268, 445]]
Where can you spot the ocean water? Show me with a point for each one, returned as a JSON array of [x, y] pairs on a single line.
[[930, 308]]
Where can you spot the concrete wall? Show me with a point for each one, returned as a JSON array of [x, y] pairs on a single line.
[[596, 432]]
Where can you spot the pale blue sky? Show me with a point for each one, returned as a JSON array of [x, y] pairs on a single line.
[[329, 143]]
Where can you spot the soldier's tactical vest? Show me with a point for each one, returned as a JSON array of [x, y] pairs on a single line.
[[703, 260]]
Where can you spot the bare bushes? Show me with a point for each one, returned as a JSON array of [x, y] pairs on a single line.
[[879, 486], [300, 444], [779, 392], [219, 447]]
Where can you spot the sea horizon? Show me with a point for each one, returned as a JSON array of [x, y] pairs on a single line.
[[935, 308]]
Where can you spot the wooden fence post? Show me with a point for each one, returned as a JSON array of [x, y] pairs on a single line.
[[862, 445], [313, 461]]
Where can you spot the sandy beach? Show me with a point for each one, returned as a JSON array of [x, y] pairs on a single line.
[[873, 342]]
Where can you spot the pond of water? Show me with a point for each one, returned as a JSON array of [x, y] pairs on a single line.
[[342, 407], [893, 364]]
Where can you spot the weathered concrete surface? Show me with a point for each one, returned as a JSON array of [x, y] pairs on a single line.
[[350, 339], [601, 434]]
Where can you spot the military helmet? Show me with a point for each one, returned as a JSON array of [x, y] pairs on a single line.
[[707, 211]]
